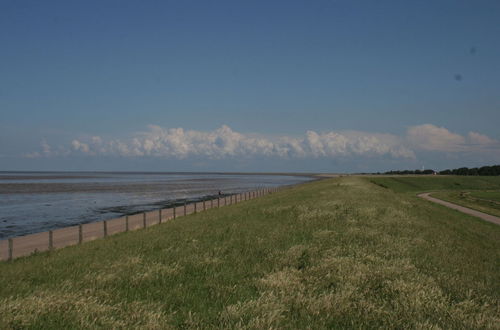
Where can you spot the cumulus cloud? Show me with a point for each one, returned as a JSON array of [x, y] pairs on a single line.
[[224, 142], [476, 139], [433, 138], [45, 152], [178, 143], [80, 146]]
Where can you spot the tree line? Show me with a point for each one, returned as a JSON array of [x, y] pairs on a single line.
[[484, 170]]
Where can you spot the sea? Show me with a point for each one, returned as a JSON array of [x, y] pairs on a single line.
[[32, 202]]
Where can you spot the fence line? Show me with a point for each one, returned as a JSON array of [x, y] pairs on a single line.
[[55, 239]]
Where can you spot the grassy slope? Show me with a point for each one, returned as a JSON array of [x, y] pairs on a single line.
[[489, 195], [436, 183], [472, 200], [335, 253], [450, 188]]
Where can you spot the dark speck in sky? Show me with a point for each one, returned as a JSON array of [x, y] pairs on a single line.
[[458, 77]]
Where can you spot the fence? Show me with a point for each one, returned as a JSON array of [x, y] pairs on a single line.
[[55, 239]]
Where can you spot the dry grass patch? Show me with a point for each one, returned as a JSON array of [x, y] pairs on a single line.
[[79, 309]]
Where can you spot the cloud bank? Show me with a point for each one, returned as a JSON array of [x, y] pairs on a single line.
[[177, 143]]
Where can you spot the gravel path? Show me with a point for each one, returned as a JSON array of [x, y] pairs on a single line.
[[484, 216]]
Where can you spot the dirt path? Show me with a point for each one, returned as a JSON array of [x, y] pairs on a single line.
[[484, 216]]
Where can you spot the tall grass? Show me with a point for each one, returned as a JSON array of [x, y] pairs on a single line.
[[335, 253]]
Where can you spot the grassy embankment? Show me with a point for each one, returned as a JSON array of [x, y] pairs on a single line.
[[484, 201], [336, 253], [478, 193]]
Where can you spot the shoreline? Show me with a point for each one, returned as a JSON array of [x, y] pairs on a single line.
[[40, 205], [19, 246]]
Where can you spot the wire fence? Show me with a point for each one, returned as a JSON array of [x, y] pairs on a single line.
[[55, 239]]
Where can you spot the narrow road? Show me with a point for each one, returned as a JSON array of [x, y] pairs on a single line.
[[484, 216]]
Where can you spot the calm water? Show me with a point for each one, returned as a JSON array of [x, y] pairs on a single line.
[[33, 202]]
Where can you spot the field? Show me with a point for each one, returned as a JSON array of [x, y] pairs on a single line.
[[484, 201], [478, 193], [336, 253], [414, 184]]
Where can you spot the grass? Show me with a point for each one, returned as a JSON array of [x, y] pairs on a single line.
[[336, 253], [415, 184], [487, 195], [484, 201], [475, 192]]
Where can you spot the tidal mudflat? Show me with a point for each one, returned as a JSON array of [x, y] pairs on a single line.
[[38, 201]]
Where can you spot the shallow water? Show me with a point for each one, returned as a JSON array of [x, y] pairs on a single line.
[[32, 202]]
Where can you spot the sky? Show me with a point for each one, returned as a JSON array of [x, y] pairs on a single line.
[[302, 86]]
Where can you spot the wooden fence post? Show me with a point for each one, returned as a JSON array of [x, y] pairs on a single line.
[[218, 202], [174, 210], [144, 220], [184, 208], [51, 240], [195, 207], [105, 226], [126, 223], [204, 207], [159, 216], [80, 234], [11, 249]]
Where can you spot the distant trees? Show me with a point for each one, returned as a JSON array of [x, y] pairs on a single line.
[[411, 172], [485, 170]]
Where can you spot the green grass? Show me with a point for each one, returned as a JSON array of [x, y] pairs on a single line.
[[480, 193], [487, 195], [336, 253], [416, 184], [484, 201]]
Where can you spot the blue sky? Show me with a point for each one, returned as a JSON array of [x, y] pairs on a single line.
[[249, 85]]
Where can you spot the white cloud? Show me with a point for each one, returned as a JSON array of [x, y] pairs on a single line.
[[432, 138], [80, 146], [224, 142], [177, 143], [45, 152], [482, 140]]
